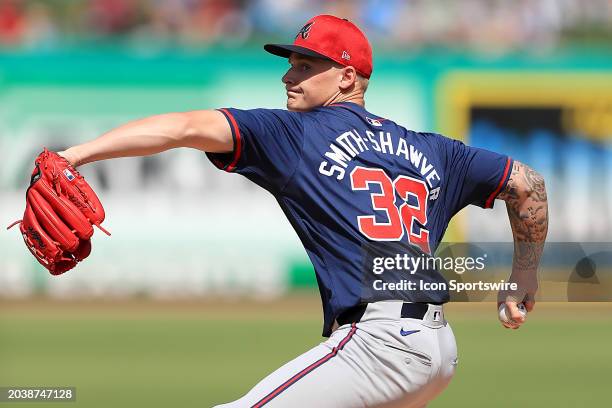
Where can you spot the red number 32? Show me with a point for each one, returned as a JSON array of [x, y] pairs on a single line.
[[398, 218]]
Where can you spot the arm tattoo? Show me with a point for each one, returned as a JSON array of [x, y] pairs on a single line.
[[527, 205]]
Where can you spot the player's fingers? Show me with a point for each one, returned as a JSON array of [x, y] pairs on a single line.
[[514, 313], [529, 305], [510, 325]]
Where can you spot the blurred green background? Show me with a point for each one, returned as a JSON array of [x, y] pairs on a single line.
[[196, 297], [187, 354]]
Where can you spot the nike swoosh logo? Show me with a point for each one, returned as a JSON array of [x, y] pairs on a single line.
[[408, 332]]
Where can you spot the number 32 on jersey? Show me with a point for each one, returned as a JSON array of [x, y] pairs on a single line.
[[399, 219]]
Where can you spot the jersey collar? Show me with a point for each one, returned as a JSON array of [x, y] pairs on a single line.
[[357, 109]]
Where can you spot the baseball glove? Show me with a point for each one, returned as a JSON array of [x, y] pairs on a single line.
[[61, 209]]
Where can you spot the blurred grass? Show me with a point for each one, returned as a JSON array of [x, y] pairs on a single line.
[[149, 354], [561, 358]]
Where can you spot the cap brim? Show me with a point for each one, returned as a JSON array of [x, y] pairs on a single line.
[[284, 50]]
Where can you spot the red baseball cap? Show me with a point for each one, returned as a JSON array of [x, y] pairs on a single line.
[[330, 37]]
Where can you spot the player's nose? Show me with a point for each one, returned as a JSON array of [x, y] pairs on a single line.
[[287, 79]]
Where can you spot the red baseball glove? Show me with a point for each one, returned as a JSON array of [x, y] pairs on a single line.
[[61, 209]]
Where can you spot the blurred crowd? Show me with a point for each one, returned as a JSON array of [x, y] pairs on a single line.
[[483, 25]]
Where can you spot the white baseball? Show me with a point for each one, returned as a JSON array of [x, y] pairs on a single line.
[[504, 314]]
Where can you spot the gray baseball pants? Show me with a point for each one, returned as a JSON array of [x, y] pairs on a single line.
[[382, 359]]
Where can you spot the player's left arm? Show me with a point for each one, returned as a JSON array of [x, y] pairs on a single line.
[[206, 130], [527, 205]]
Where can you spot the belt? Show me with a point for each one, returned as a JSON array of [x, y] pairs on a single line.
[[409, 310]]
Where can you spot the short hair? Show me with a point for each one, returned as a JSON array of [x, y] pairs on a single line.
[[364, 82]]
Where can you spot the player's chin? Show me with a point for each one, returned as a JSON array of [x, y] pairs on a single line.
[[291, 104]]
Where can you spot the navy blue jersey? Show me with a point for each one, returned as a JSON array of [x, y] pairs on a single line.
[[349, 181]]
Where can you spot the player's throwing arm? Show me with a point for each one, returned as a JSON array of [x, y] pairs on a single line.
[[527, 205]]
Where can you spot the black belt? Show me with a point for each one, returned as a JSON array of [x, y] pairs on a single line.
[[409, 310]]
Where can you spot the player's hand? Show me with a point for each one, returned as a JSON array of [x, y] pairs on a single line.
[[529, 301], [527, 287], [516, 318]]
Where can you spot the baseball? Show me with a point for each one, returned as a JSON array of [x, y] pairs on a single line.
[[504, 315]]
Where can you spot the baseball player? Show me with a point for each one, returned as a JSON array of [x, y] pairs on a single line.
[[355, 186]]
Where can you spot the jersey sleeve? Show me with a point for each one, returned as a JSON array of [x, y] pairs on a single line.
[[474, 176], [267, 146]]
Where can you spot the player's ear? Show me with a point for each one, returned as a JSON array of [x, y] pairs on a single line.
[[349, 76]]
